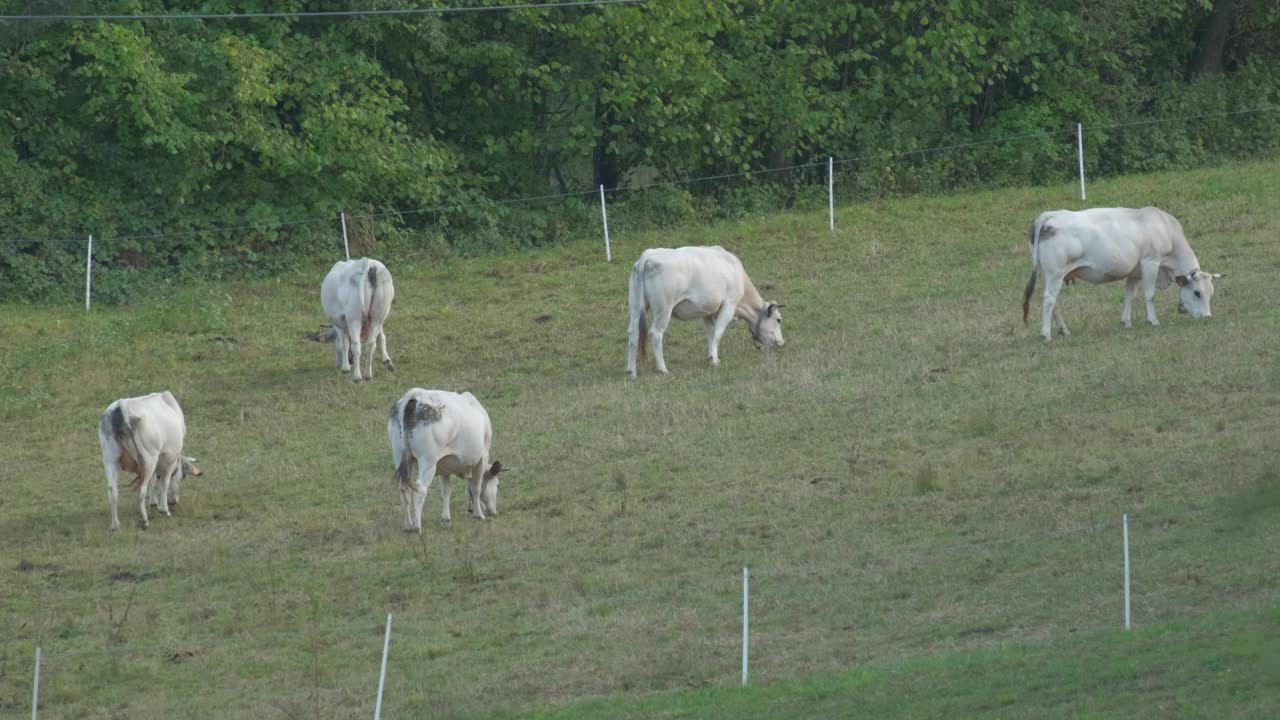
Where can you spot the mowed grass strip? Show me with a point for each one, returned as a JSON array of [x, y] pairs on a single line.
[[915, 475]]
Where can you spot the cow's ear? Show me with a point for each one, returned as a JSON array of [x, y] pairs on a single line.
[[1182, 280], [771, 309]]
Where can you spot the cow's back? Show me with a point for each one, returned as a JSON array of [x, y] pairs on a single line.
[[342, 291], [678, 273], [156, 420], [458, 425], [1107, 243]]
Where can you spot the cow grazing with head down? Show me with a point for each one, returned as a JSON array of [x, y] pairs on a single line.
[[356, 295], [1106, 244], [691, 283], [444, 434], [144, 435]]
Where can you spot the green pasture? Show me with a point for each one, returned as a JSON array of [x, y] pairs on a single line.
[[928, 496]]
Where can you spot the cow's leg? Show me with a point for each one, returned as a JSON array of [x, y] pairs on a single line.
[[633, 341], [164, 476], [715, 330], [658, 328], [446, 492], [357, 350], [1150, 271], [374, 331], [382, 345], [340, 349], [1062, 323], [475, 482], [176, 493], [1130, 290], [406, 505], [426, 471], [147, 468], [1052, 286], [113, 471]]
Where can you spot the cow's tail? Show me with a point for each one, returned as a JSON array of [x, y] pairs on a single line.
[[636, 303], [369, 301], [118, 428], [1035, 265], [406, 452]]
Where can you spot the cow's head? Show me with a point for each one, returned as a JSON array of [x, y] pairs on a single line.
[[489, 489], [766, 331], [186, 468], [1194, 291]]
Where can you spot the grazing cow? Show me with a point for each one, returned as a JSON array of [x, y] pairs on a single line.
[[692, 283], [445, 434], [1105, 244], [356, 295], [144, 435]]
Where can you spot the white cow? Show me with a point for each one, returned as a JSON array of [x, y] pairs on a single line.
[[144, 435], [692, 283], [356, 295], [446, 434], [1105, 244]]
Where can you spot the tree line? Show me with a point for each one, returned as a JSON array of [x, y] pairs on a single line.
[[129, 129]]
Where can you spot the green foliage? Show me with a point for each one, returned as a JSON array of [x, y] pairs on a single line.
[[136, 130]]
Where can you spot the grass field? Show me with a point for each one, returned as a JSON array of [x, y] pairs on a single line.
[[927, 495]]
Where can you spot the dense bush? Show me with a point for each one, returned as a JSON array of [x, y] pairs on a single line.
[[148, 134]]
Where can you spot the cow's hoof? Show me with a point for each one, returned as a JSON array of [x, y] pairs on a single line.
[[1126, 325], [631, 374], [390, 366]]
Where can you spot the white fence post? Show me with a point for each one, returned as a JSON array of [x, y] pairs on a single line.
[[382, 676], [745, 634], [831, 192], [604, 217], [345, 247], [35, 690], [1125, 525], [88, 272], [1080, 156]]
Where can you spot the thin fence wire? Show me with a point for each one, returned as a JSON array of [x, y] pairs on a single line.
[[321, 13], [453, 207]]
